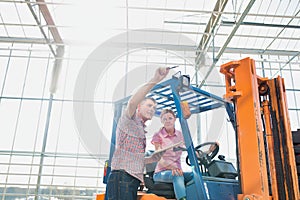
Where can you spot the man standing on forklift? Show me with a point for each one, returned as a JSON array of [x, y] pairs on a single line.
[[128, 160]]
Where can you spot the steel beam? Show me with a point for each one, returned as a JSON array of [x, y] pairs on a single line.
[[230, 36], [212, 23]]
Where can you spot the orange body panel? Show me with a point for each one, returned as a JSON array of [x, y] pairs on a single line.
[[141, 196], [100, 196]]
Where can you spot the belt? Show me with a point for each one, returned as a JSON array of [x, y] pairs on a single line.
[[118, 170], [123, 171]]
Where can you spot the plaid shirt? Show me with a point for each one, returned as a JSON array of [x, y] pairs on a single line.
[[129, 154]]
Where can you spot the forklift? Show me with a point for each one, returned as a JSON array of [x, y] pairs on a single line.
[[257, 110]]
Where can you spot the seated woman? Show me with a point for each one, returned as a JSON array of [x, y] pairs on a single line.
[[168, 169]]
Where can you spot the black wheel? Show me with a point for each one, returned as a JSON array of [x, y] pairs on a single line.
[[263, 89], [205, 157]]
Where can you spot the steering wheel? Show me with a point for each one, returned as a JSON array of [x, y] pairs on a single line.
[[205, 157]]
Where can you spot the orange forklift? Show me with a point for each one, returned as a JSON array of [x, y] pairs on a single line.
[[257, 109], [266, 156]]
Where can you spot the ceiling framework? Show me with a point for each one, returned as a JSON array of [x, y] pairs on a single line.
[[226, 43], [270, 26], [263, 29], [41, 25], [221, 27], [43, 9], [211, 25]]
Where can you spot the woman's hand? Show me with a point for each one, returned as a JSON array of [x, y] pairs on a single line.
[[177, 172]]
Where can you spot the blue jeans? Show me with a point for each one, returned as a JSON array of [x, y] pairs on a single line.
[[121, 186], [178, 181]]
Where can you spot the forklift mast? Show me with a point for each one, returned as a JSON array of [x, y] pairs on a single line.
[[266, 161]]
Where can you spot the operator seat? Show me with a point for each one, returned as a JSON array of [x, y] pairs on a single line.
[[159, 188]]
